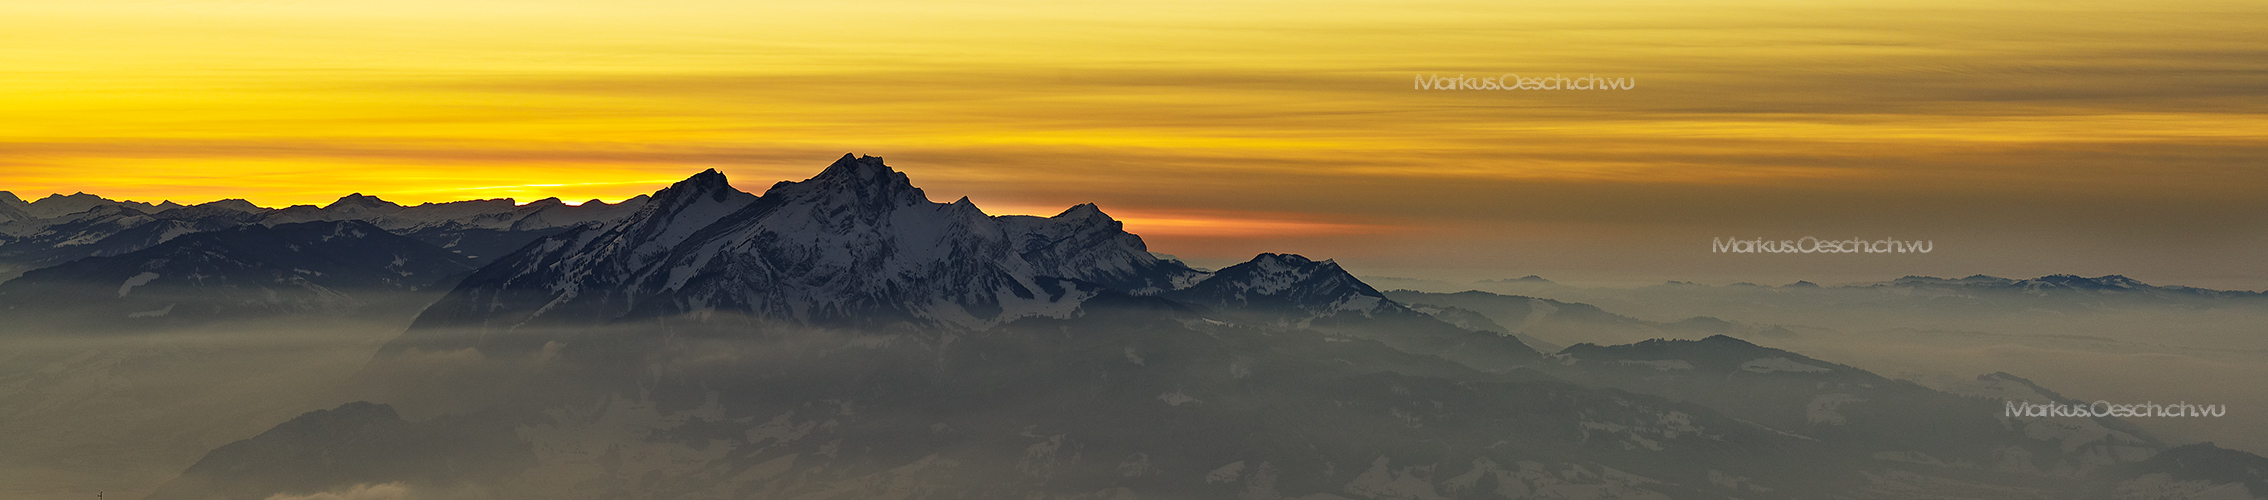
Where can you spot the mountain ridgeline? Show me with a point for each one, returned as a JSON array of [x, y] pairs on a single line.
[[846, 337], [855, 246], [59, 229], [245, 272]]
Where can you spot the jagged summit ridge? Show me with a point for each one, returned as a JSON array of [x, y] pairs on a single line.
[[855, 244], [862, 179], [59, 205], [62, 228], [1086, 244]]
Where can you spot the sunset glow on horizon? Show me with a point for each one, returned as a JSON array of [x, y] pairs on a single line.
[[1214, 129]]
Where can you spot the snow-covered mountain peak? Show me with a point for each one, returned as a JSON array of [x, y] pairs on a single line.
[[1087, 213], [1271, 273], [859, 168], [1290, 281], [1084, 243], [674, 214], [856, 182], [703, 193], [855, 244]]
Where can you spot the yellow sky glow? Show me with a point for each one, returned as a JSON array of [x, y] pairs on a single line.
[[1175, 107]]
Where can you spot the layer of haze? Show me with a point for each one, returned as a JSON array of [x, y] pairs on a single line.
[[2022, 138]]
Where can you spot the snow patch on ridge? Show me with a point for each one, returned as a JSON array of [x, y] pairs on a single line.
[[137, 280]]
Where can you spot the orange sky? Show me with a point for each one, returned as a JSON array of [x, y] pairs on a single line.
[[2035, 136]]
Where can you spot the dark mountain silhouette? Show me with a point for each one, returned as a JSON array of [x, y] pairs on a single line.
[[250, 271]]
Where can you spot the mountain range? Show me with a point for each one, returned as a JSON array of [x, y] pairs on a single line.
[[1973, 296], [59, 228], [846, 337], [305, 268]]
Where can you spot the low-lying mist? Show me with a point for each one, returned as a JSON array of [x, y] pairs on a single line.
[[2161, 346], [121, 413], [2137, 368]]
